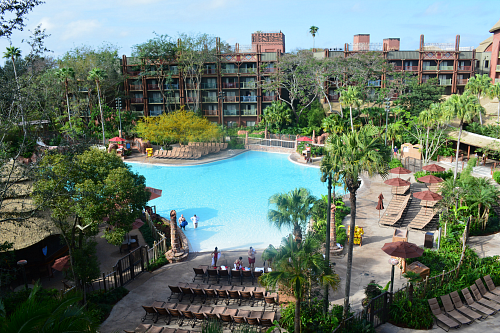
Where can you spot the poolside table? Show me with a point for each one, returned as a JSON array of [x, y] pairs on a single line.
[[419, 268]]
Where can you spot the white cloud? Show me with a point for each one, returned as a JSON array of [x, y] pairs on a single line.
[[47, 24], [80, 28]]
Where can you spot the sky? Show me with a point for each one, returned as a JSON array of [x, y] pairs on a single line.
[[126, 23]]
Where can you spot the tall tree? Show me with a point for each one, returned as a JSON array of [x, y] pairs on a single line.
[[494, 92], [479, 85], [464, 108], [98, 75], [313, 30], [64, 75], [293, 209], [350, 96], [419, 96], [431, 118], [354, 153], [12, 53], [278, 113]]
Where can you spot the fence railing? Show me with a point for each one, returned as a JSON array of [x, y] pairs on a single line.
[[272, 143]]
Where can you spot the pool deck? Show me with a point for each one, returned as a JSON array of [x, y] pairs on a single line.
[[369, 262]]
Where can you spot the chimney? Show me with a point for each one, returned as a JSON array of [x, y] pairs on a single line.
[[361, 42], [391, 44]]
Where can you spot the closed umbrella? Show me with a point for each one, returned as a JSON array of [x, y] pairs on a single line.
[[433, 168], [397, 182], [380, 204]]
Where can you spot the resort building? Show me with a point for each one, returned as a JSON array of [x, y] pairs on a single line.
[[488, 55]]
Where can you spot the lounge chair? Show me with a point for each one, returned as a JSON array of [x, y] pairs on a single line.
[[246, 275], [401, 190], [481, 300], [475, 305], [267, 319], [258, 296], [199, 273], [256, 275], [395, 210], [168, 330], [245, 295], [174, 314], [485, 293], [155, 329], [455, 298], [210, 293], [441, 317], [423, 218], [271, 300], [189, 315], [212, 274], [235, 295], [224, 274], [252, 321], [491, 286], [142, 328], [199, 292], [450, 311], [236, 274], [222, 294], [187, 291], [173, 291], [162, 312], [150, 312]]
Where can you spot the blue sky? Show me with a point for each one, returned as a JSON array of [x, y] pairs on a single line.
[[129, 22]]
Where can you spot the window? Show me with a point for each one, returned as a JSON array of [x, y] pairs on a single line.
[[232, 124], [250, 123], [486, 63]]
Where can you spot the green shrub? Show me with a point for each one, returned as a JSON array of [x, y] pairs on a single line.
[[101, 303], [233, 144], [161, 261], [496, 176], [146, 234], [211, 326], [416, 314], [12, 300], [311, 317], [394, 163], [444, 174]]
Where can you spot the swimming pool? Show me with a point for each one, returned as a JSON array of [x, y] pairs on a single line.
[[230, 197]]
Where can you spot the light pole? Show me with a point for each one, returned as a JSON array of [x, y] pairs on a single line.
[[222, 96], [23, 263], [393, 262], [387, 110], [118, 101]]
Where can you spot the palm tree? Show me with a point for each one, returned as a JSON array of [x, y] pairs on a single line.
[[394, 132], [429, 118], [299, 266], [493, 92], [292, 209], [464, 108], [313, 30], [479, 85], [484, 195], [13, 53], [350, 97], [98, 75], [352, 154], [64, 75]]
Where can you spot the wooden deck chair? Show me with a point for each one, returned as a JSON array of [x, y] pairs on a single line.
[[155, 329], [187, 291], [491, 286], [189, 315], [485, 293], [455, 298], [236, 274], [267, 319], [235, 296], [174, 290], [256, 275], [142, 328], [162, 312], [150, 312], [441, 317], [450, 311], [168, 330], [246, 275], [271, 300], [222, 294], [224, 275], [226, 318], [210, 294], [245, 296], [198, 292], [212, 274], [258, 296], [475, 305], [174, 314], [481, 300], [199, 273]]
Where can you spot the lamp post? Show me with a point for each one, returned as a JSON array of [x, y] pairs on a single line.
[[387, 110], [393, 262], [222, 96], [118, 101], [23, 263]]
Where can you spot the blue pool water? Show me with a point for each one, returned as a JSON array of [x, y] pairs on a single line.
[[230, 197]]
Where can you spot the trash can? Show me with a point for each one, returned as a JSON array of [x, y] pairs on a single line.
[[429, 240], [128, 145]]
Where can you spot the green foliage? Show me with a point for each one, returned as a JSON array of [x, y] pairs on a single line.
[[100, 303], [161, 261], [233, 144], [415, 314], [373, 290], [8, 267], [211, 326], [147, 235], [394, 163], [492, 131], [278, 114], [14, 299], [447, 174], [311, 318], [319, 214], [420, 96], [245, 328], [112, 121], [496, 176], [85, 262]]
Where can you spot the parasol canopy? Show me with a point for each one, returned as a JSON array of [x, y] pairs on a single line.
[[402, 250], [61, 263], [155, 193], [397, 182], [116, 139], [433, 168], [430, 179], [427, 196], [400, 171], [304, 138], [380, 204], [137, 224]]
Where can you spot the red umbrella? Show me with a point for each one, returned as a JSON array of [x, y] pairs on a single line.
[[155, 193], [431, 179], [427, 196], [380, 204], [402, 250], [400, 171], [61, 263], [137, 224], [304, 138], [397, 182], [433, 168], [116, 139]]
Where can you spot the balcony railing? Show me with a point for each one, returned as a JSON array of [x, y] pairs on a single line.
[[153, 87], [138, 113], [205, 85], [398, 68], [232, 99], [229, 84], [190, 85], [190, 99], [172, 100], [229, 70], [135, 87], [268, 98], [154, 100], [498, 68], [230, 112], [269, 70], [248, 85], [210, 113], [210, 71], [133, 73], [411, 68], [429, 68], [333, 98], [137, 100], [445, 68], [248, 70], [174, 71], [250, 112], [445, 82], [374, 83], [249, 98], [464, 68], [171, 86], [462, 82], [209, 99]]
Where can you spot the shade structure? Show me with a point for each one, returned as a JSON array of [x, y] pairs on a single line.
[[380, 204], [400, 171], [427, 196], [403, 250], [155, 193], [304, 138], [61, 263], [397, 182], [433, 168], [116, 139], [431, 179], [137, 224]]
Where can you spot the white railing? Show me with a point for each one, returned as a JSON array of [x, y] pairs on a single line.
[[272, 143]]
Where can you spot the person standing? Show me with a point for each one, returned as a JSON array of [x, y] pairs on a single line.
[[182, 222], [251, 257], [215, 256], [195, 219]]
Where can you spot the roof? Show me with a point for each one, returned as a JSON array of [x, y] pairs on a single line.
[[475, 140], [484, 44], [495, 27]]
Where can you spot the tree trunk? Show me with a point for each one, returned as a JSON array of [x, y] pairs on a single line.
[[297, 232], [350, 112], [67, 103], [498, 110], [327, 245], [352, 198], [297, 315], [480, 116], [102, 116], [426, 160], [458, 149]]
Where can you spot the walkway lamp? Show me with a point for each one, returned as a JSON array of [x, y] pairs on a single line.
[[118, 102], [393, 262], [387, 110]]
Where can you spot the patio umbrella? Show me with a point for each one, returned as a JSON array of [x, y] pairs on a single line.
[[304, 138], [427, 196], [397, 182], [400, 171], [116, 139], [433, 168], [431, 179], [402, 250], [61, 263], [380, 204], [137, 224], [155, 193]]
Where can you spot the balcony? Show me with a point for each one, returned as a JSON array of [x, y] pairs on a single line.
[[374, 83], [190, 99], [464, 68], [231, 99], [398, 68], [210, 113], [209, 99], [230, 112], [138, 113], [445, 68], [210, 71], [249, 98], [190, 85], [249, 70], [135, 87], [333, 98], [171, 86], [462, 82], [172, 100], [137, 100], [248, 85], [269, 70], [133, 73], [269, 98], [205, 85], [249, 112], [174, 71], [229, 71], [155, 100], [229, 84], [445, 82], [429, 68], [411, 68], [153, 86], [498, 68]]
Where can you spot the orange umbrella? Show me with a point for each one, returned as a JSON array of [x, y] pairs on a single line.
[[61, 263], [137, 224], [427, 196], [400, 171], [116, 139], [397, 182], [433, 168], [431, 179]]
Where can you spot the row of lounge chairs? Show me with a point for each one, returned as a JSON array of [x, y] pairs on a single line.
[[423, 218], [219, 145], [395, 210], [178, 153], [218, 274], [456, 313], [401, 190], [197, 313]]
